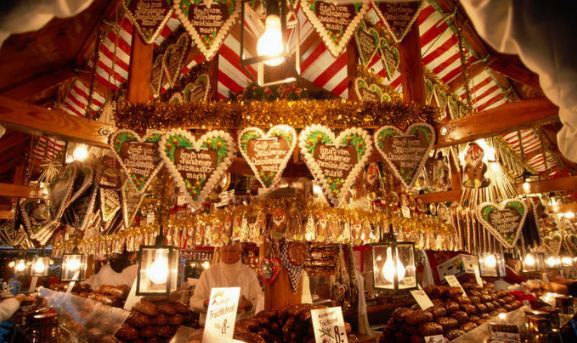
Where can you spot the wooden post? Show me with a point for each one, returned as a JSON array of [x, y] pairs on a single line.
[[140, 70], [352, 61], [411, 67]]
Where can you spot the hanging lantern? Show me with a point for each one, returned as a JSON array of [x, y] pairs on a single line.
[[157, 268], [272, 46], [533, 262], [20, 267], [553, 262], [492, 265], [566, 261], [73, 266], [40, 266], [394, 265]]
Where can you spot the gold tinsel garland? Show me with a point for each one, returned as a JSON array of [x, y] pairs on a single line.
[[299, 113]]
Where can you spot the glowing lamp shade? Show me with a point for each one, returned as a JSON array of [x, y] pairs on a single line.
[[20, 267], [566, 261], [157, 270], [553, 262], [533, 262], [271, 42], [40, 266], [73, 267], [80, 152], [492, 265], [394, 266]]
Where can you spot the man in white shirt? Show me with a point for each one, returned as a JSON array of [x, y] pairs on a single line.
[[120, 271], [229, 272]]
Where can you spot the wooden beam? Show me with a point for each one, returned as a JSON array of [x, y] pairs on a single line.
[[473, 70], [6, 215], [512, 67], [19, 191], [38, 120], [568, 183], [562, 208], [411, 67], [436, 197], [352, 62], [27, 90], [497, 121], [140, 71], [12, 140]]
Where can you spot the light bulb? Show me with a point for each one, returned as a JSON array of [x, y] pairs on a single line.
[[205, 265], [569, 215], [158, 271], [566, 261], [73, 264], [80, 152], [552, 261], [20, 266], [389, 269], [39, 267], [270, 43], [526, 186], [502, 316], [11, 264], [529, 260], [490, 261]]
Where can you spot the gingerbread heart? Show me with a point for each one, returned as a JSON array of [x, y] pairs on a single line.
[[174, 58], [335, 161], [367, 43], [440, 97], [109, 203], [131, 201], [453, 106], [269, 269], [267, 154], [157, 75], [148, 16], [334, 22], [372, 92], [553, 243], [429, 91], [405, 152], [398, 16], [61, 188], [207, 21], [197, 90], [197, 165], [504, 220], [138, 156], [391, 58]]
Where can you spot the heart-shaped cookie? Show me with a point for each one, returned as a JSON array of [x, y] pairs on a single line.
[[367, 43], [398, 16], [131, 201], [453, 106], [335, 161], [61, 189], [405, 152], [148, 16], [84, 178], [440, 98], [207, 21], [553, 243], [504, 220], [80, 206], [109, 203], [157, 75], [269, 269], [197, 165], [372, 92], [429, 90], [334, 22], [197, 90], [267, 154], [174, 58], [391, 57], [138, 156]]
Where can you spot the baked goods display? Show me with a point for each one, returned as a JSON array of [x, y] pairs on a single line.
[[155, 319], [321, 259], [114, 296], [452, 315], [290, 324]]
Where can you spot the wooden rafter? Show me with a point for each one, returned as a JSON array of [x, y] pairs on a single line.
[[27, 90], [19, 191]]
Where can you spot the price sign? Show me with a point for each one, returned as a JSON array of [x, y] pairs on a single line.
[[221, 315], [422, 299], [453, 282], [329, 325]]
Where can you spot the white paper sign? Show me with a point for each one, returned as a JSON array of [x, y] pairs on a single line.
[[453, 282], [33, 283], [221, 315], [478, 276], [70, 286], [436, 339], [329, 325], [422, 299], [132, 299]]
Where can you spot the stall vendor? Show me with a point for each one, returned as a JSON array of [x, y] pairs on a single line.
[[229, 272], [121, 270]]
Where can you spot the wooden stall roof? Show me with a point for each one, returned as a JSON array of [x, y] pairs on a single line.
[[75, 64]]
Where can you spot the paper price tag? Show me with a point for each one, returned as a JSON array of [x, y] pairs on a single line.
[[478, 276], [453, 282], [150, 218], [33, 283], [422, 299], [221, 315], [436, 339], [406, 212], [329, 325]]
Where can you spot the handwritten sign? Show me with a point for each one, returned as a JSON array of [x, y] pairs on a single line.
[[267, 154], [197, 165], [335, 161], [334, 22], [368, 42], [329, 325], [405, 152], [148, 16], [422, 299], [207, 22], [454, 282], [504, 220], [138, 156], [221, 314], [398, 16]]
